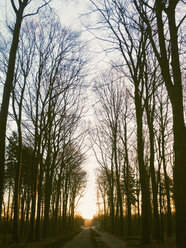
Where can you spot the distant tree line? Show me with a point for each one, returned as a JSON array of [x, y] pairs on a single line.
[[42, 174], [140, 138]]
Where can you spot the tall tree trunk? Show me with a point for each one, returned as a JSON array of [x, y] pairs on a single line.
[[28, 198], [142, 171], [6, 96], [15, 231], [150, 121], [18, 118], [127, 181], [22, 213], [47, 204], [179, 178], [35, 159], [160, 200], [58, 197], [112, 196], [37, 228], [5, 226], [176, 97], [48, 190], [166, 179], [34, 194], [8, 210], [119, 195], [65, 201]]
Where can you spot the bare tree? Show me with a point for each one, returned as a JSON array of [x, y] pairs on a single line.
[[53, 105], [110, 98], [18, 102], [163, 139], [19, 9], [165, 42]]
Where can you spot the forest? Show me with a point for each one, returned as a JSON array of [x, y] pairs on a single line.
[[138, 130]]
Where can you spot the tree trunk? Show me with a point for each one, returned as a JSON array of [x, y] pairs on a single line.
[[15, 231], [6, 96], [120, 202], [150, 120], [37, 229], [142, 171], [176, 97], [160, 203], [167, 188], [112, 197], [48, 190], [22, 213], [127, 180], [58, 198], [34, 195], [27, 210], [47, 204], [65, 201]]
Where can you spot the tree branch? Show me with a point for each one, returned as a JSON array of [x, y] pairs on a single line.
[[37, 11], [14, 7], [181, 21]]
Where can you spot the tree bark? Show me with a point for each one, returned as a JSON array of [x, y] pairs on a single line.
[[142, 171], [150, 122], [6, 95], [176, 97], [37, 228], [166, 179]]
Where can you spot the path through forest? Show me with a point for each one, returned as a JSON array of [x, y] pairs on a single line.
[[91, 238]]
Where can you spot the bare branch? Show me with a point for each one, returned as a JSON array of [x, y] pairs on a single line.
[[37, 11], [14, 7], [182, 20]]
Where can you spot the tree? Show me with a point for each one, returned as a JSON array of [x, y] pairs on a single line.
[[131, 42], [53, 105], [151, 83], [128, 174], [165, 127], [165, 43], [19, 13], [12, 165], [24, 63], [111, 103]]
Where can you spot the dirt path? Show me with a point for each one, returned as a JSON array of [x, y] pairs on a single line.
[[105, 240], [92, 238], [82, 240]]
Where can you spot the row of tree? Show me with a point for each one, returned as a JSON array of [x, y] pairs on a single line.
[[142, 144], [42, 177], [115, 146]]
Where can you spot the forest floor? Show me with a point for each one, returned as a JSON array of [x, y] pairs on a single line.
[[132, 242], [135, 242], [50, 242], [93, 237]]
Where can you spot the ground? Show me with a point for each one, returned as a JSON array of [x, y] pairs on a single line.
[[91, 238]]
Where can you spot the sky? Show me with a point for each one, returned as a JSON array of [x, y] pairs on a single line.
[[70, 11]]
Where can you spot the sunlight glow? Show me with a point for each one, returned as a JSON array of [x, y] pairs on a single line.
[[87, 207], [87, 214]]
